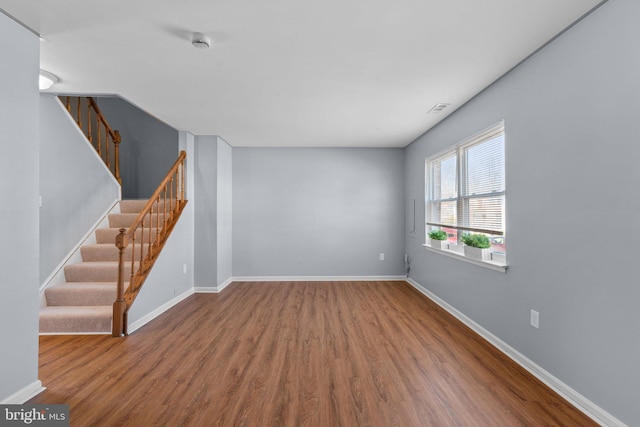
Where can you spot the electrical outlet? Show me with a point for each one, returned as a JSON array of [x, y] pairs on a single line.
[[184, 268], [381, 257], [535, 319]]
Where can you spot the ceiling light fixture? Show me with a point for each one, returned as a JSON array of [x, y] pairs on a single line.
[[200, 41], [47, 80], [438, 108]]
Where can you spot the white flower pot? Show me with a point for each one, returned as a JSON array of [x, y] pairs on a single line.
[[477, 253], [438, 244]]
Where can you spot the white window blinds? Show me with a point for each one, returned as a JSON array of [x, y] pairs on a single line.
[[466, 184]]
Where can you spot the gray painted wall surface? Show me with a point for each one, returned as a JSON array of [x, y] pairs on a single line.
[[19, 208], [75, 185], [572, 167], [224, 211], [168, 279], [205, 205], [148, 147], [213, 211], [317, 212]]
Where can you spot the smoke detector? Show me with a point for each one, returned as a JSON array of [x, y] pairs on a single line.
[[200, 41]]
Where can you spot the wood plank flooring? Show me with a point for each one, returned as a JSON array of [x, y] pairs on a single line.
[[297, 354]]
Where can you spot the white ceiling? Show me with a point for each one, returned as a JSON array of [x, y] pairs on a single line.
[[353, 73]]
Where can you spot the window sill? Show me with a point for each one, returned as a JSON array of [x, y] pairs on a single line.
[[492, 264]]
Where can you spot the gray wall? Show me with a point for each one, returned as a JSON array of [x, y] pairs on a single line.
[[171, 278], [148, 147], [224, 211], [205, 205], [75, 185], [572, 169], [317, 212], [18, 209], [213, 218], [172, 274]]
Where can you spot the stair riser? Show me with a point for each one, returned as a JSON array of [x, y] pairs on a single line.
[[92, 272], [76, 320], [81, 295], [125, 220], [108, 235], [135, 206], [94, 253]]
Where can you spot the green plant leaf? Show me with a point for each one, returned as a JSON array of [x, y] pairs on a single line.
[[476, 240], [437, 235]]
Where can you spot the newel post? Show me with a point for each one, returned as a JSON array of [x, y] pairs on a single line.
[[116, 155], [119, 306]]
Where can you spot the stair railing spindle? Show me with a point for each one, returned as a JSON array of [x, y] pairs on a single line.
[[89, 134], [153, 246]]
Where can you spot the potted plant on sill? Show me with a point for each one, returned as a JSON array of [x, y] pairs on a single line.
[[477, 246], [438, 239]]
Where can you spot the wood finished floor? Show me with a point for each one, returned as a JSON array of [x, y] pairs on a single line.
[[297, 354]]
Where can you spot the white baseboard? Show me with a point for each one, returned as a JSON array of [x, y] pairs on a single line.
[[224, 284], [316, 278], [213, 289], [589, 408], [158, 311], [25, 394], [220, 287]]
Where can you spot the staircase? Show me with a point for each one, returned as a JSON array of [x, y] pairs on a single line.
[[84, 302], [97, 293]]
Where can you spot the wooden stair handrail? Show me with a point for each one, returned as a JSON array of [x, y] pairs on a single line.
[[102, 128], [153, 224]]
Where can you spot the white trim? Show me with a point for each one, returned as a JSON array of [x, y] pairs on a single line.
[[224, 284], [205, 290], [158, 311], [491, 265], [213, 289], [230, 280], [74, 251], [315, 278], [21, 396], [74, 333], [583, 404]]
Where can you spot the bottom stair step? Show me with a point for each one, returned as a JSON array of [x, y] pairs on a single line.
[[76, 319], [82, 294]]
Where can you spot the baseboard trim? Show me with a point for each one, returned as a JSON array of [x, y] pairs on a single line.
[[223, 285], [21, 396], [158, 311], [316, 278], [213, 289], [583, 404]]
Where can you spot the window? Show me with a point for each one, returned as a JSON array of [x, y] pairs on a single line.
[[465, 188]]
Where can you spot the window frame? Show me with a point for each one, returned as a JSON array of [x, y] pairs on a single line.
[[462, 198]]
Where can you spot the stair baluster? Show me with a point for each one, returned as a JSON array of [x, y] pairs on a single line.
[[145, 253], [94, 134]]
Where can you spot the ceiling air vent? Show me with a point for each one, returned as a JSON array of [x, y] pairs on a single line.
[[438, 108]]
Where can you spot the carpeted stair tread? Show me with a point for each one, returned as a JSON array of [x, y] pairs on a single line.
[[82, 294], [124, 220], [109, 252], [84, 302], [108, 235], [131, 206], [78, 319], [95, 271]]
